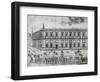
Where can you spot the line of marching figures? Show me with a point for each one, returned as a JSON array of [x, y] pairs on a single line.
[[78, 58]]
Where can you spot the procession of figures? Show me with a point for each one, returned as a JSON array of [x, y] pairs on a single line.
[[46, 59], [57, 40]]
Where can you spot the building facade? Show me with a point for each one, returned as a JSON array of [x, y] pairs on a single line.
[[58, 39]]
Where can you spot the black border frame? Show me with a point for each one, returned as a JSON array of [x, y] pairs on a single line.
[[15, 39]]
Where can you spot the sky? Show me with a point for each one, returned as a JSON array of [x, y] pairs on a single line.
[[35, 22]]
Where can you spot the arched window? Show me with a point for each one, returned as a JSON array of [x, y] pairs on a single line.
[[41, 45], [74, 34], [83, 45], [66, 44], [46, 45], [46, 34], [56, 34], [56, 46], [62, 45], [74, 45], [51, 45], [79, 34], [70, 45], [70, 34], [66, 33], [83, 34], [78, 44], [51, 34], [62, 33]]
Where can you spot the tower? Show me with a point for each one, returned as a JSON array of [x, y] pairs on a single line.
[[43, 27]]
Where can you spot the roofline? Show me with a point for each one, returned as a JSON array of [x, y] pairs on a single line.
[[46, 29], [76, 29]]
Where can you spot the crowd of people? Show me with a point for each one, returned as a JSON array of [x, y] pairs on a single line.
[[56, 58]]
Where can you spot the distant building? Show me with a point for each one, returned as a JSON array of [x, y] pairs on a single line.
[[29, 40], [58, 39]]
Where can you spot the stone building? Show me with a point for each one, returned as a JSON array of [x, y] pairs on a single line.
[[60, 38]]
